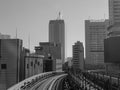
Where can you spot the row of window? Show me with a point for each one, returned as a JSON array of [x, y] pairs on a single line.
[[116, 2], [34, 64]]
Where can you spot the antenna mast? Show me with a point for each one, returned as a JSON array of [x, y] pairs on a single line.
[[16, 33], [59, 16], [29, 41]]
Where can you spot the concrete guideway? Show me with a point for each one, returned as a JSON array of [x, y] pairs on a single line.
[[30, 82], [54, 85], [50, 83]]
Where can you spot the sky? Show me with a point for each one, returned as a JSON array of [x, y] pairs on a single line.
[[31, 18]]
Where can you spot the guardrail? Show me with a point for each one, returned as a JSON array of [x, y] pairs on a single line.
[[30, 81]]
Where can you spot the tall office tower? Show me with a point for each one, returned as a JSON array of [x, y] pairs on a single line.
[[78, 55], [95, 33], [10, 52], [114, 18], [57, 34], [113, 37]]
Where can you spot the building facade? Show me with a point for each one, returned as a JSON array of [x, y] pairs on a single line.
[[33, 65], [25, 52], [57, 34], [78, 55], [95, 33], [52, 53], [10, 52], [114, 12], [113, 33], [114, 18], [49, 48]]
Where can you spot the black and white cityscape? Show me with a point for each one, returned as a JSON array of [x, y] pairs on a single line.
[[94, 65]]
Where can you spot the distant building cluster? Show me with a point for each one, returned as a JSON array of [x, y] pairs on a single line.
[[78, 56], [112, 43], [102, 40], [18, 63]]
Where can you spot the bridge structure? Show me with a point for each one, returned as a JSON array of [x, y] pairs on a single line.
[[68, 81], [43, 81]]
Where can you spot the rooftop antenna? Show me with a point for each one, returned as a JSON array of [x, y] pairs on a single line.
[[59, 16], [16, 33], [29, 41]]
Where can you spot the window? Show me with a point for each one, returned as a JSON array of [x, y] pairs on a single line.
[[27, 66], [3, 66], [38, 63], [31, 63]]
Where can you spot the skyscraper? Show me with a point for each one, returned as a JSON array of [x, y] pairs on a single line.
[[114, 18], [57, 34], [78, 55], [113, 37], [95, 33], [114, 11]]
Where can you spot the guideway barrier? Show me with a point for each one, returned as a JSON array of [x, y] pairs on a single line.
[[84, 83], [29, 82], [103, 81]]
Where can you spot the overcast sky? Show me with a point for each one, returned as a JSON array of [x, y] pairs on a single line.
[[32, 17]]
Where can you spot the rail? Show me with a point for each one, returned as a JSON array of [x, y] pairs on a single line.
[[30, 81]]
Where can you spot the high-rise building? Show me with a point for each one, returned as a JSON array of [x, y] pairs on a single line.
[[57, 34], [95, 33], [111, 55], [78, 55], [114, 11], [10, 52], [25, 52], [114, 18]]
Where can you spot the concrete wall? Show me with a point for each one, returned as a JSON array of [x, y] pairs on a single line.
[[33, 65]]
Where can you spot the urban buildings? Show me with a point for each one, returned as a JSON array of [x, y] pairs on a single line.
[[69, 60], [112, 42], [52, 53], [49, 48], [25, 52], [57, 34], [95, 33], [114, 12], [33, 64], [10, 52], [16, 63], [114, 18], [78, 55]]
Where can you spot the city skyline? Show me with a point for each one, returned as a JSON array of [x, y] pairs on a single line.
[[32, 17]]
